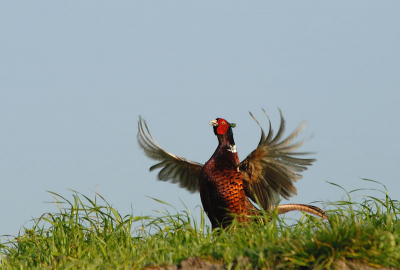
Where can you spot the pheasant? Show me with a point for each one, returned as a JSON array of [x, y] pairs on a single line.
[[226, 185]]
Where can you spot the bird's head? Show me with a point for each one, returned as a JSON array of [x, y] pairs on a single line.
[[221, 126]]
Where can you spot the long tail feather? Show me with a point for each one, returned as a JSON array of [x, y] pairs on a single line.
[[284, 208]]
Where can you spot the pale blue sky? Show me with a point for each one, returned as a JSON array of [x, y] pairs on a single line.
[[74, 76]]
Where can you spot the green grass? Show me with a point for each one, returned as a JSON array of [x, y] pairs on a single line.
[[86, 234]]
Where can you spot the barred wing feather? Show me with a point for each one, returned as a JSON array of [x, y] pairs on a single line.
[[273, 166], [173, 168]]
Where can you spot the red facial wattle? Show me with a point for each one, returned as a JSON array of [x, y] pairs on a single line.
[[223, 126]]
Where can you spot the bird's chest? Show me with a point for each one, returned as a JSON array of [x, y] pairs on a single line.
[[221, 185], [220, 173]]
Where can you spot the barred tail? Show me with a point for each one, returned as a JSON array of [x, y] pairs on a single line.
[[284, 208]]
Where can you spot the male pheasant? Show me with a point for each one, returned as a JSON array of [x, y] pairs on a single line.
[[225, 184]]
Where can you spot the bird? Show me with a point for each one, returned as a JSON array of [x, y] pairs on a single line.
[[229, 189]]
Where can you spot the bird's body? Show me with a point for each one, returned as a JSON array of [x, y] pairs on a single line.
[[226, 184], [221, 184], [221, 187]]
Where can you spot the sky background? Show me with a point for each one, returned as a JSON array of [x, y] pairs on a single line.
[[74, 76]]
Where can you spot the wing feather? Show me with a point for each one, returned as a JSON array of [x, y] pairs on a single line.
[[174, 168], [272, 168]]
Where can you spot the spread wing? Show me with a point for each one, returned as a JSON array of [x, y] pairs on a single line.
[[273, 166], [174, 168]]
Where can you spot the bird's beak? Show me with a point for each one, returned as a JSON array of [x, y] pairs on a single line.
[[232, 125], [214, 123]]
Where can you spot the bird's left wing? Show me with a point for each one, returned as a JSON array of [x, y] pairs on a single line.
[[273, 166], [174, 168]]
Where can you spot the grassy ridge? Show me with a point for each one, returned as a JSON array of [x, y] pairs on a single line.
[[88, 235]]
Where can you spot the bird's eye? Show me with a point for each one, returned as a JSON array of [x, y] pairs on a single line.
[[223, 122]]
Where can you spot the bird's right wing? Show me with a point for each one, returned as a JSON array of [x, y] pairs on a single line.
[[174, 168]]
